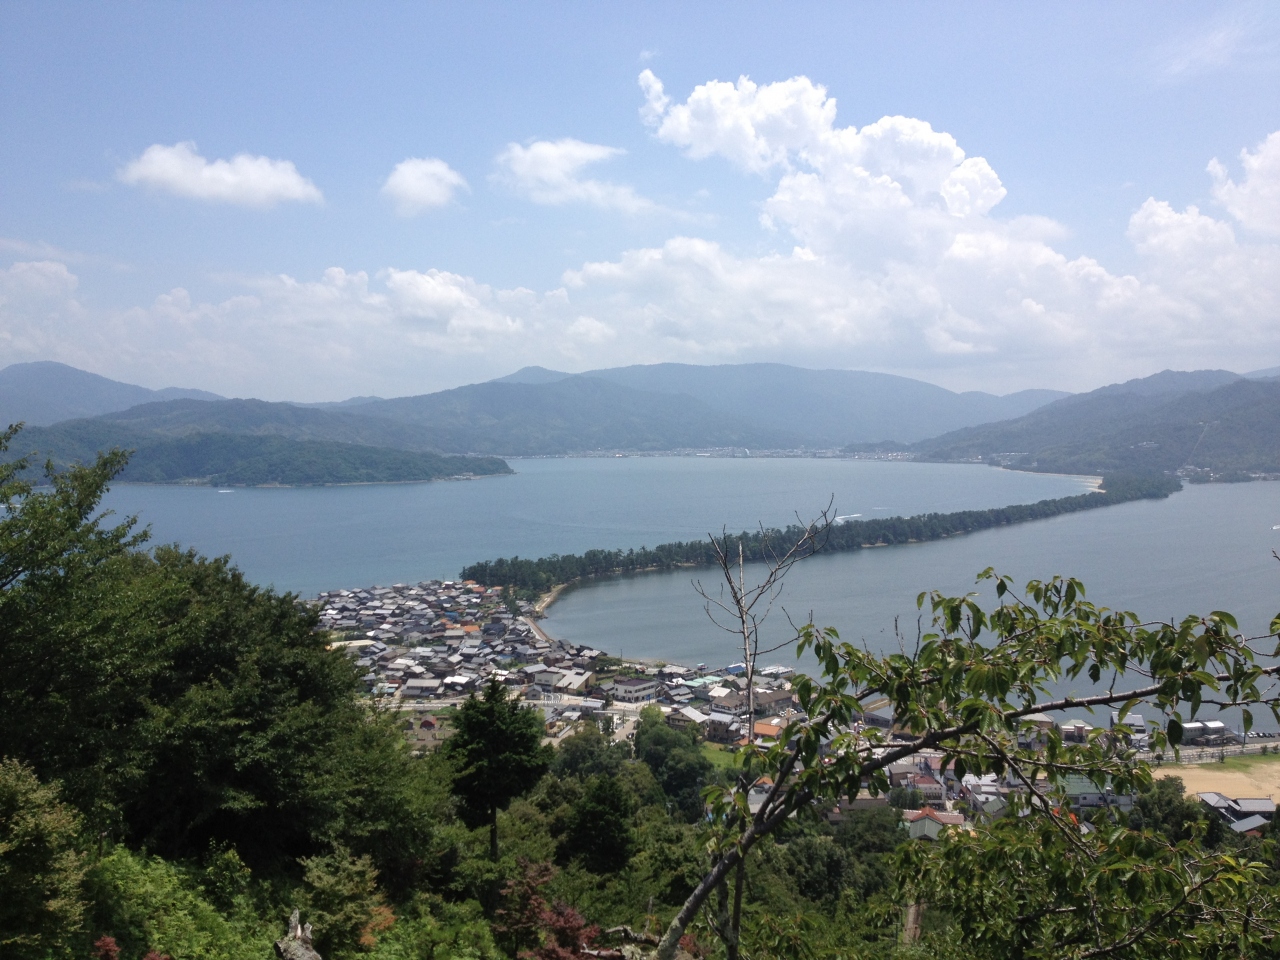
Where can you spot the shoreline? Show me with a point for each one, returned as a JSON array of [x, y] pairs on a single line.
[[196, 485], [545, 600]]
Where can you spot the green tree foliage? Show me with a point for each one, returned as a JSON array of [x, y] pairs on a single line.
[[342, 901], [40, 868], [819, 867], [1164, 807], [433, 929], [599, 828], [498, 754], [869, 837], [538, 576], [905, 798], [675, 760], [147, 904], [1032, 887], [180, 705], [968, 690], [588, 751]]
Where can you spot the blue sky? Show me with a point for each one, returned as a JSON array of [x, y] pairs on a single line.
[[207, 195]]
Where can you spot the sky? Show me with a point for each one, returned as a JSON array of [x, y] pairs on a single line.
[[313, 201]]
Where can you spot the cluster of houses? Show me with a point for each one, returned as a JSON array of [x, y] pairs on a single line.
[[1244, 815], [431, 639], [721, 707], [442, 639]]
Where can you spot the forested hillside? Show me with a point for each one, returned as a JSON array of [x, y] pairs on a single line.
[[538, 412], [1213, 428], [224, 458], [575, 415]]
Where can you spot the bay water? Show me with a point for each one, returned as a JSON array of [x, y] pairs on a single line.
[[308, 539], [1206, 548]]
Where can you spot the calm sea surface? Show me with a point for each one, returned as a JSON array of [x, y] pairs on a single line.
[[310, 539], [1206, 548]]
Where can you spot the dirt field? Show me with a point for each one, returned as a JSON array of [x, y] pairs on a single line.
[[1237, 777]]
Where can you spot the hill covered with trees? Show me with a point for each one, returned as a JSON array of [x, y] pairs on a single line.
[[225, 458], [1212, 424]]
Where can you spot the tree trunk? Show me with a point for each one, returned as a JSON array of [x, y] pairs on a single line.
[[734, 944], [493, 834], [296, 944], [911, 923]]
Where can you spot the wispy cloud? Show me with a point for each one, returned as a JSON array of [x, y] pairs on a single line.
[[244, 180], [549, 172], [43, 250], [1240, 39]]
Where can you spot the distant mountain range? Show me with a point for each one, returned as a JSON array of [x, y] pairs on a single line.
[[534, 412], [1213, 423], [45, 392], [815, 408], [1156, 423]]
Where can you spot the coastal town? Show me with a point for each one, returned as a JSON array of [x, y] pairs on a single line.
[[425, 647]]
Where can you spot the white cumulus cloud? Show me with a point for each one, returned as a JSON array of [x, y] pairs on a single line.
[[245, 180], [549, 172], [40, 317], [1255, 201], [754, 127], [419, 184], [883, 249]]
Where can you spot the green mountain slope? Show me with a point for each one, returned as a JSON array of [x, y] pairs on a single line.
[[260, 418], [573, 415], [1213, 431]]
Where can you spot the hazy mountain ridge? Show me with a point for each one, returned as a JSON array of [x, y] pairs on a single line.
[[576, 414], [816, 408], [538, 412], [45, 392], [1179, 420]]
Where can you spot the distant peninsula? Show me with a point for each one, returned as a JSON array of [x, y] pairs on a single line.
[[226, 459], [532, 578]]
